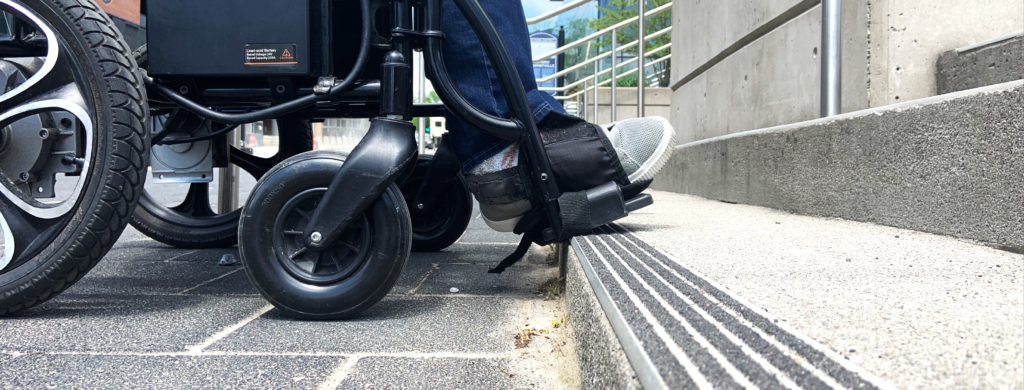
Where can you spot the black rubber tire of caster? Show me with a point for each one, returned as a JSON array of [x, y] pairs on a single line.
[[350, 276], [444, 222], [54, 245]]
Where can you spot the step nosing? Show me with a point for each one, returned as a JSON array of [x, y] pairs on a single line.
[[774, 357], [711, 356], [731, 343], [815, 356]]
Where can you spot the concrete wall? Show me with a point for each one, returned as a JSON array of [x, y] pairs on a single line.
[[743, 65], [657, 102], [950, 165], [908, 36], [993, 63]]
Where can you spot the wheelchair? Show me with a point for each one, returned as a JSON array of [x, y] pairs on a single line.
[[323, 235]]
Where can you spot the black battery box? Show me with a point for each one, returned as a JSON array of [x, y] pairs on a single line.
[[239, 37]]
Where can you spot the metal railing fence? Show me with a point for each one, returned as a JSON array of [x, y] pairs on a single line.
[[593, 83]]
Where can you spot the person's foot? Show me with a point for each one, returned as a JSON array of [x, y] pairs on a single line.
[[643, 146]]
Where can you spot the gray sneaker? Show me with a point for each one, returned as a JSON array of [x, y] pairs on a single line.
[[643, 145]]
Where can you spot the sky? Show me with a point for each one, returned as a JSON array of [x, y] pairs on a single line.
[[536, 7], [533, 8]]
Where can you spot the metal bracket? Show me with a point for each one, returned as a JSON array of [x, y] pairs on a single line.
[[324, 85]]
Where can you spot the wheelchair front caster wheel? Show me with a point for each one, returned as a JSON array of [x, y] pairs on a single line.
[[444, 221], [348, 277]]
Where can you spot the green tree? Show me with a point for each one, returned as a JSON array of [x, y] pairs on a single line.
[[619, 10], [430, 97]]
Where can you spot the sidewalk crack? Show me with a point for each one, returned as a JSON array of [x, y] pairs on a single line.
[[433, 267]]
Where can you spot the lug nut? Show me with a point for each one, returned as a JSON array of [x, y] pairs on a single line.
[[419, 206], [44, 134], [316, 237]]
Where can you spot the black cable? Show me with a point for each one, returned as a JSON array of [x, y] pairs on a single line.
[[279, 110], [215, 134]]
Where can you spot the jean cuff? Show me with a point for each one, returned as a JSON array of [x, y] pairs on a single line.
[[487, 153], [542, 110]]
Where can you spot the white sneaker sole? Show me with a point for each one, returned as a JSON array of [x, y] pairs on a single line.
[[505, 226], [653, 165]]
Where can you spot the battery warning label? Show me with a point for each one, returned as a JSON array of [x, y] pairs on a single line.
[[270, 54]]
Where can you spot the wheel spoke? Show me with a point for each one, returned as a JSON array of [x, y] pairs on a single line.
[[197, 201], [297, 253], [23, 232], [54, 79], [256, 166], [316, 263], [51, 87], [350, 246], [303, 213]]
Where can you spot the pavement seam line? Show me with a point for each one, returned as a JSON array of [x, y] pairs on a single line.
[[701, 340], [226, 274], [680, 355], [839, 359], [181, 255], [339, 374], [433, 267], [721, 327], [782, 347], [227, 331], [400, 355], [12, 356]]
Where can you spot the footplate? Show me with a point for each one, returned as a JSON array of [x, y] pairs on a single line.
[[583, 211]]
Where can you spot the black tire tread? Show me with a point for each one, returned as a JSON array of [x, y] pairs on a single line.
[[121, 183]]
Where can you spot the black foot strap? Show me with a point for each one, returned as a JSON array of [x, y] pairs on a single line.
[[524, 246]]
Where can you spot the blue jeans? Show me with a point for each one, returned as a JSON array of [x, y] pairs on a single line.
[[474, 77]]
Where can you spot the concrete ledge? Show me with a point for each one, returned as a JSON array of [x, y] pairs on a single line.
[[603, 363], [949, 165], [990, 63]]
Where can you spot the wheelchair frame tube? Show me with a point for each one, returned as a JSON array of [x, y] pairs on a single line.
[[435, 70], [511, 86]]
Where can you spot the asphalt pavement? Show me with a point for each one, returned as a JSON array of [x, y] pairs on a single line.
[[150, 315]]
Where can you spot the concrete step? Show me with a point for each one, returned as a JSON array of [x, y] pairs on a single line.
[[949, 165], [700, 293], [988, 63]]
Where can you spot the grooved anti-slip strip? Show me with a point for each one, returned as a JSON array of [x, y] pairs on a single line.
[[694, 333]]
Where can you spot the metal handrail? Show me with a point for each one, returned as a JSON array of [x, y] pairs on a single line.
[[604, 55], [563, 49], [629, 72], [556, 12], [641, 57], [627, 62]]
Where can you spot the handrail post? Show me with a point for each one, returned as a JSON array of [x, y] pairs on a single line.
[[596, 82], [641, 47], [831, 58], [615, 74], [583, 107]]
